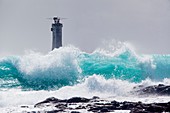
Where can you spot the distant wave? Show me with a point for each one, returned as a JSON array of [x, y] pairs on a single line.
[[68, 66]]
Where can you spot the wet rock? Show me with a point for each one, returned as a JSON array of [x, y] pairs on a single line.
[[103, 105], [75, 112], [104, 110], [24, 107], [95, 97], [54, 111], [33, 112], [160, 89], [94, 109], [80, 107], [61, 106], [77, 100], [48, 100], [155, 108], [127, 105], [115, 103], [136, 110]]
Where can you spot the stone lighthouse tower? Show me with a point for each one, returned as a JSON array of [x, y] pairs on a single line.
[[56, 33]]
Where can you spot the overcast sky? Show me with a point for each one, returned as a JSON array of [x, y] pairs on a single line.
[[143, 23]]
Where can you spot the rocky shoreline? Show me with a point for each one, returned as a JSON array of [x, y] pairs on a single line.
[[106, 105], [96, 104], [159, 89]]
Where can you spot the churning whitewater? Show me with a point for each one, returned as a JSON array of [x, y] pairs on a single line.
[[68, 72], [69, 66]]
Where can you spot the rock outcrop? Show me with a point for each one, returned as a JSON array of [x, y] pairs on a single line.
[[76, 104]]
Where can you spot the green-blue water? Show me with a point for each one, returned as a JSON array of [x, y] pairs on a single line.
[[68, 66]]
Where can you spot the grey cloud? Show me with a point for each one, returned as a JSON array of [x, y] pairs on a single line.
[[144, 23]]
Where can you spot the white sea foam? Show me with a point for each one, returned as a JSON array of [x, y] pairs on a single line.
[[62, 63], [92, 86], [59, 58]]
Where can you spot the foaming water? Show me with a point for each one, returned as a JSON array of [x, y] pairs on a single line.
[[37, 71], [68, 66], [56, 69], [94, 85]]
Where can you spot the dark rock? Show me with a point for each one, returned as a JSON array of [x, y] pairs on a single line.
[[24, 107], [95, 97], [95, 109], [104, 110], [48, 100], [89, 105], [160, 89], [80, 107], [155, 108], [99, 104], [54, 111], [33, 111], [115, 103], [103, 105], [136, 110], [61, 106], [52, 99], [75, 112], [77, 100], [127, 105], [161, 85]]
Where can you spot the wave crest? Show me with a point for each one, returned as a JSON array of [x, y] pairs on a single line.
[[68, 66]]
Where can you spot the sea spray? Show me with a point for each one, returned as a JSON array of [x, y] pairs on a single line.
[[68, 66], [94, 85], [56, 69]]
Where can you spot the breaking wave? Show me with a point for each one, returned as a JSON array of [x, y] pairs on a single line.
[[68, 66]]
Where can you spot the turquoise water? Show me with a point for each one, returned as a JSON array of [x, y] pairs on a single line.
[[68, 66]]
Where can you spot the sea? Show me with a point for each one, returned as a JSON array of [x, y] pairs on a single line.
[[110, 73]]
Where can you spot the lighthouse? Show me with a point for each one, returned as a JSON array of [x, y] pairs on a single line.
[[56, 33]]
